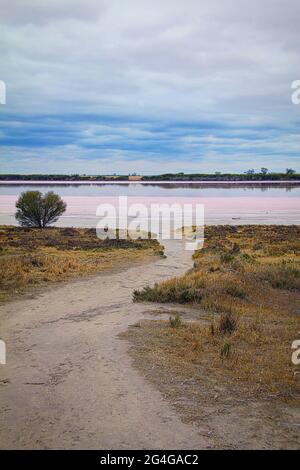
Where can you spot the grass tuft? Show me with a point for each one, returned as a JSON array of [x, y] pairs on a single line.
[[175, 321], [225, 350]]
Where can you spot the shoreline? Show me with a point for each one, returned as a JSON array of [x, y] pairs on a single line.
[[160, 182]]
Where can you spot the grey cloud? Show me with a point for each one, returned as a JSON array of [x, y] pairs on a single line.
[[231, 61]]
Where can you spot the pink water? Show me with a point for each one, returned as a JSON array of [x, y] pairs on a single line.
[[81, 210]]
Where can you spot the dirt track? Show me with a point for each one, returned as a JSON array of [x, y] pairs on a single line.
[[69, 383]]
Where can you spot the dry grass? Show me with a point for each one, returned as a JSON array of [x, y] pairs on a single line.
[[237, 387], [251, 274], [235, 262], [32, 257]]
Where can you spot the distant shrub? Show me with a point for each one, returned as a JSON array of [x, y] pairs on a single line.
[[144, 294], [248, 258], [235, 249], [179, 292], [235, 290], [214, 269], [227, 258], [175, 321], [225, 350], [227, 323], [282, 276], [257, 246]]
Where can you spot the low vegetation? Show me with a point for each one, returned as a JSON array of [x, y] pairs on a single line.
[[245, 289], [250, 175], [237, 263], [32, 257]]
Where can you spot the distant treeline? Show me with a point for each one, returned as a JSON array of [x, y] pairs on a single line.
[[264, 175], [288, 176], [41, 177]]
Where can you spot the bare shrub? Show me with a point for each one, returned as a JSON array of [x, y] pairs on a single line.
[[227, 324]]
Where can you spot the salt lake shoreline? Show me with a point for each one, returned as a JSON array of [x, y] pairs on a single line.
[[159, 182]]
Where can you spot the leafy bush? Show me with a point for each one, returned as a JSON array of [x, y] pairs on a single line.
[[36, 210]]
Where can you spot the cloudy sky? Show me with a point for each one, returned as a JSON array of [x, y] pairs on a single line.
[[151, 86]]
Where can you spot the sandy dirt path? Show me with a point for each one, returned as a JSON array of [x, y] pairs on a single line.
[[69, 382]]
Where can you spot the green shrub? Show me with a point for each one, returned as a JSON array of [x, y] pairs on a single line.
[[225, 350], [163, 293], [235, 290], [37, 210], [175, 321], [227, 258]]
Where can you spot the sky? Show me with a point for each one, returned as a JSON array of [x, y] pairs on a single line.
[[123, 86]]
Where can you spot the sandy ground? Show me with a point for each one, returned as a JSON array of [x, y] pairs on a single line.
[[69, 382]]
